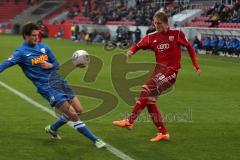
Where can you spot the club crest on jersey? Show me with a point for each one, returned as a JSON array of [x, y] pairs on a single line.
[[43, 50], [171, 38], [39, 59], [52, 99]]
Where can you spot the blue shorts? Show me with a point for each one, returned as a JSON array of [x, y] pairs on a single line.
[[56, 93]]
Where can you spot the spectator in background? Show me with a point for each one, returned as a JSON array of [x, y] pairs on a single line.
[[197, 44], [129, 37], [228, 46], [97, 36], [213, 44], [225, 14], [150, 29], [206, 44], [137, 34], [76, 32], [107, 36], [70, 12], [43, 31], [234, 46], [221, 46], [236, 6], [81, 35], [119, 32], [86, 8], [76, 7], [88, 38], [73, 32], [238, 50], [214, 19], [60, 33]]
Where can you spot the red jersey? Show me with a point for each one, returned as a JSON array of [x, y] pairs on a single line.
[[167, 47]]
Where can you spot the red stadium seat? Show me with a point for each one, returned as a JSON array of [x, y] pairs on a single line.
[[9, 10]]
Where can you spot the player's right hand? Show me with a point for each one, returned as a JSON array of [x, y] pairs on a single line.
[[129, 54], [46, 65], [198, 70]]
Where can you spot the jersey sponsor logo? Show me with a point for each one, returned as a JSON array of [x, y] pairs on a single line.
[[171, 38], [163, 46], [39, 59]]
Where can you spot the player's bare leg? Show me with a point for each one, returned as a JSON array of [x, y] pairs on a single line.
[[75, 103], [70, 112], [75, 109]]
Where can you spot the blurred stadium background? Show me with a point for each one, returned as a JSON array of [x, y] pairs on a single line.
[[213, 26], [202, 114]]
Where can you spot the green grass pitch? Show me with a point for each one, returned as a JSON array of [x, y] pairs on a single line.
[[210, 102]]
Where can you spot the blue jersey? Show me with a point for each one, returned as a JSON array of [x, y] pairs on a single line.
[[29, 59], [221, 44], [207, 42], [213, 42]]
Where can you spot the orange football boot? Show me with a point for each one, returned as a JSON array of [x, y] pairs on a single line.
[[123, 123], [160, 137]]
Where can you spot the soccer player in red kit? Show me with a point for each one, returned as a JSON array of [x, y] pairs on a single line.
[[166, 44]]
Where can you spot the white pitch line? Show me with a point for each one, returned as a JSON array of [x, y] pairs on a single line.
[[109, 147]]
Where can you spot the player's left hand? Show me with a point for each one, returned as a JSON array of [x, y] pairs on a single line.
[[198, 70], [46, 65]]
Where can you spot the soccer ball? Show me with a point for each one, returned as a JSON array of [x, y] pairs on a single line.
[[80, 58]]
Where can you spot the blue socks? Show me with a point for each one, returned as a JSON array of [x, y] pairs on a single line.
[[58, 123], [79, 126], [82, 128]]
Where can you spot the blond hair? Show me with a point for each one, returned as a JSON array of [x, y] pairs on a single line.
[[161, 16]]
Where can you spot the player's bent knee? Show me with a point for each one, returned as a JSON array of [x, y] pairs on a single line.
[[152, 100], [145, 88], [74, 117], [79, 111]]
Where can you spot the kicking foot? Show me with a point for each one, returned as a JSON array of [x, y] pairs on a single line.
[[53, 134], [123, 123], [160, 137], [100, 144]]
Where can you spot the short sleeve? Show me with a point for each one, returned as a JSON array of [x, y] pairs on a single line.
[[15, 58]]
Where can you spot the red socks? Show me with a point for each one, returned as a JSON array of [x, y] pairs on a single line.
[[139, 106], [156, 117]]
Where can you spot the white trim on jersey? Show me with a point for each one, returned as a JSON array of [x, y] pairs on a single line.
[[152, 33]]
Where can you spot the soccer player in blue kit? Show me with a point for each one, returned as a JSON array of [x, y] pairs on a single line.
[[38, 63]]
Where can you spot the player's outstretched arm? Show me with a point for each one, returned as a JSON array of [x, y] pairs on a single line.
[[184, 41], [143, 44], [192, 54], [4, 65]]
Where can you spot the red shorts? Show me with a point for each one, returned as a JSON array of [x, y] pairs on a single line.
[[162, 79]]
